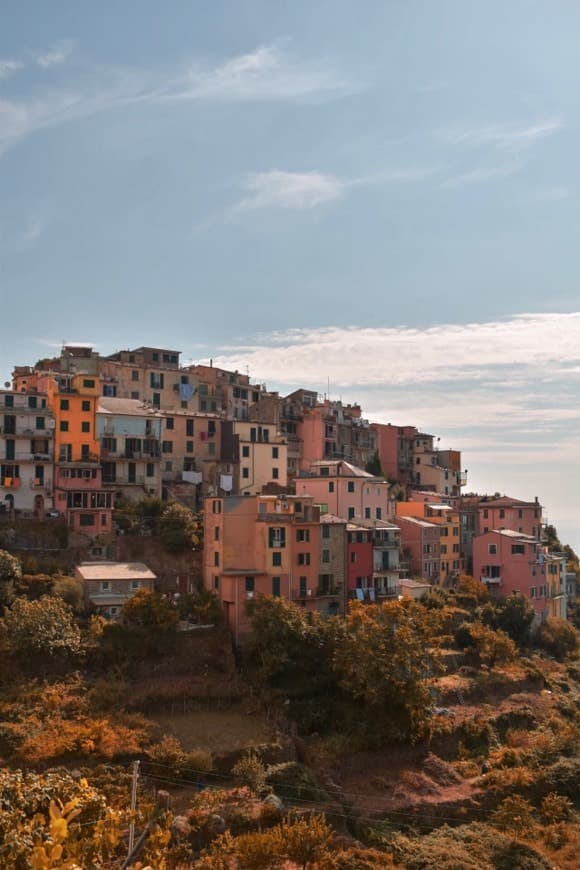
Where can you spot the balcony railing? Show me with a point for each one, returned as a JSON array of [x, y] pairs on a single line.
[[11, 482]]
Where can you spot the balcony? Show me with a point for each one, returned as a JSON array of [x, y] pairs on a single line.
[[491, 581], [329, 591]]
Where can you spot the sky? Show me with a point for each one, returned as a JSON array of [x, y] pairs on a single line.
[[380, 199]]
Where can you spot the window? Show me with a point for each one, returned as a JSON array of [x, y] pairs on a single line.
[[443, 549], [353, 558], [169, 423], [134, 395], [189, 446], [150, 472], [276, 587], [485, 514], [167, 447], [324, 471], [276, 559], [520, 514], [326, 555], [169, 465], [326, 531], [378, 513], [156, 381], [86, 405], [304, 558], [189, 428], [351, 486], [245, 451], [367, 513], [156, 402], [134, 376], [502, 514], [245, 473], [303, 535], [105, 585], [456, 548], [40, 423], [518, 549], [88, 383], [86, 520], [331, 486], [135, 584], [216, 582], [275, 473], [216, 506], [277, 537], [274, 453], [85, 426], [492, 549], [216, 533], [351, 513], [63, 426], [85, 451], [32, 402], [532, 591], [216, 559]]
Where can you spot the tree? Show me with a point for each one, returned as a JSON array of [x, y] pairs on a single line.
[[470, 586], [514, 814], [306, 841], [10, 572], [558, 637], [70, 589], [373, 466], [384, 662], [148, 609], [42, 628], [180, 529], [515, 615]]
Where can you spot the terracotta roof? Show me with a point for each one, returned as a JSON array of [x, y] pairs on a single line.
[[331, 518]]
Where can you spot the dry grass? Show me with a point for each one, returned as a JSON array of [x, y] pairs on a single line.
[[216, 732]]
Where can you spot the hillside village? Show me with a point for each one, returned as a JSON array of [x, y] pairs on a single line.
[[246, 630], [301, 496]]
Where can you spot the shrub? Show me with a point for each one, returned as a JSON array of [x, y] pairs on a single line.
[[251, 771], [513, 814], [556, 808], [294, 781], [559, 638], [42, 628], [70, 589]]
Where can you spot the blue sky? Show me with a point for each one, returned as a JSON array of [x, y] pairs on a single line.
[[383, 193]]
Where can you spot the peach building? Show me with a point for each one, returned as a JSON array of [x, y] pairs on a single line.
[[447, 519], [266, 545], [420, 543], [259, 456], [510, 562], [331, 430], [347, 491]]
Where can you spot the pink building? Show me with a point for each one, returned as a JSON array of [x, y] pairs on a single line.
[[509, 562], [420, 543], [524, 517], [346, 491], [268, 545]]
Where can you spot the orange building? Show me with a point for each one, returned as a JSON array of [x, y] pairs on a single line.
[[447, 519], [78, 489]]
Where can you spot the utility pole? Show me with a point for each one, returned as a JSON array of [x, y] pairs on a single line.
[[133, 805]]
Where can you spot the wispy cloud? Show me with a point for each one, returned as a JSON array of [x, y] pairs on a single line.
[[56, 55], [282, 189], [503, 137], [482, 174], [268, 73], [9, 67]]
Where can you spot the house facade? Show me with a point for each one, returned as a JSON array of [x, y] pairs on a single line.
[[420, 545], [108, 585], [129, 434], [347, 491], [26, 453]]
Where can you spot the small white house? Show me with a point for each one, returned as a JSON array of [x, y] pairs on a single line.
[[108, 585]]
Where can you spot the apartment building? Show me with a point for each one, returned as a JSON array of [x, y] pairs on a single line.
[[484, 513], [129, 434], [26, 453], [447, 519], [331, 430], [420, 544], [512, 562], [79, 493], [266, 545], [346, 491], [373, 560], [258, 455], [229, 393]]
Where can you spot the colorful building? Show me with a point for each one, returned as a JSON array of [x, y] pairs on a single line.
[[420, 544], [265, 545], [447, 519], [130, 445], [26, 454], [510, 562], [347, 491]]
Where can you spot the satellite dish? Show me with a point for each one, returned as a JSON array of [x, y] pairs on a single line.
[[7, 385]]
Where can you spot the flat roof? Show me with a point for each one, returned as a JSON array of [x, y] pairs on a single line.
[[423, 523], [130, 407], [115, 571]]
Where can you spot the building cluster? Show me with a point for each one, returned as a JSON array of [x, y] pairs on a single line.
[[302, 496]]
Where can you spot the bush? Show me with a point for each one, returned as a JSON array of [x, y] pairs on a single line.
[[293, 781], [42, 628], [251, 771], [70, 589], [486, 646], [559, 638]]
